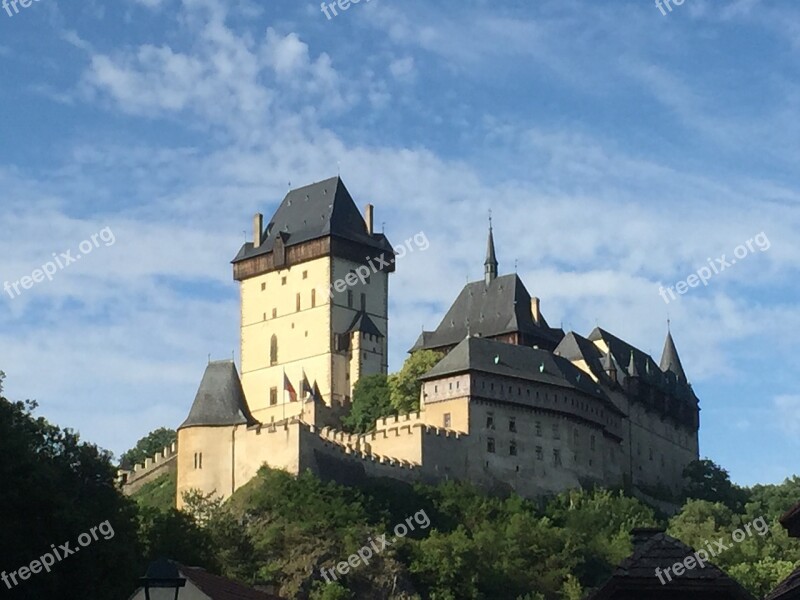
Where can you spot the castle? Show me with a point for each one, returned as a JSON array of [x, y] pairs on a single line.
[[514, 404]]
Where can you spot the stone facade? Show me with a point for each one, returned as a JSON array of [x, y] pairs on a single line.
[[513, 405]]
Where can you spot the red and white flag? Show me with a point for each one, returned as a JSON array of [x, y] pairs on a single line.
[[288, 387]]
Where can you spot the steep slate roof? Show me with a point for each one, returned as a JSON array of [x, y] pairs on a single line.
[[670, 360], [503, 306], [219, 588], [521, 362], [314, 211], [575, 347], [220, 398], [364, 324], [639, 364], [638, 573]]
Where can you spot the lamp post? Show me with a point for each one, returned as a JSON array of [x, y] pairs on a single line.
[[161, 580]]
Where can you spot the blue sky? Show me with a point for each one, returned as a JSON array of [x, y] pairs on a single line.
[[619, 149]]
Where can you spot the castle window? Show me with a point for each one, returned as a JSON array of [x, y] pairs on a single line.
[[457, 384], [297, 303], [490, 445], [512, 449], [283, 280], [556, 457], [305, 274], [313, 298], [512, 424], [263, 286], [538, 426], [490, 420], [273, 350], [575, 435], [556, 432], [451, 385], [349, 298], [591, 443], [539, 453], [519, 391], [435, 389], [447, 420], [198, 460], [265, 316], [273, 396], [274, 312], [364, 302]]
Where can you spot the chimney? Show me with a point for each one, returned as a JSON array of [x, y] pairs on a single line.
[[535, 310], [258, 229], [368, 217]]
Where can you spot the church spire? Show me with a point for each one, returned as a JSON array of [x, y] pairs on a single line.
[[490, 265], [670, 360]]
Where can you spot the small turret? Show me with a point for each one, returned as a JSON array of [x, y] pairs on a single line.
[[490, 265]]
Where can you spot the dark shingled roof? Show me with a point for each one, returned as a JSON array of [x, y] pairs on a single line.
[[364, 324], [521, 362], [503, 306], [314, 211], [220, 588], [637, 573], [788, 589], [670, 360], [639, 364], [791, 520], [220, 398]]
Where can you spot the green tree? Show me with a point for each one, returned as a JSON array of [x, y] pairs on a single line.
[[370, 402], [148, 446], [705, 480], [54, 489], [405, 385]]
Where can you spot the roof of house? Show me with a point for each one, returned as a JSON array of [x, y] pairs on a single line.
[[659, 550], [318, 210], [220, 588], [520, 362], [670, 361], [788, 589], [640, 364], [502, 306], [220, 399], [363, 323]]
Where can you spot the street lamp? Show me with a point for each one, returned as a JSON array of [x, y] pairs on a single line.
[[161, 579]]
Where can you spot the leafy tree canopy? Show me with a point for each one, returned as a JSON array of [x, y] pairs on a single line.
[[148, 446]]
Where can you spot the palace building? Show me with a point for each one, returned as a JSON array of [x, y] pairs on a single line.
[[513, 404]]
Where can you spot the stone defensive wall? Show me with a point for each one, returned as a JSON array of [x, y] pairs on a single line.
[[152, 468]]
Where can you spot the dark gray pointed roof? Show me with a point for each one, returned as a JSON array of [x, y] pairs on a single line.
[[321, 209], [220, 399], [364, 324], [491, 257], [670, 360], [520, 362], [503, 306], [636, 575]]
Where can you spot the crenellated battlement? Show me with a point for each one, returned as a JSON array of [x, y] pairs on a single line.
[[162, 462]]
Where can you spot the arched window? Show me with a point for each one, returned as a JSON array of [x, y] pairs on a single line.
[[273, 350]]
